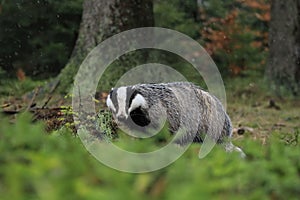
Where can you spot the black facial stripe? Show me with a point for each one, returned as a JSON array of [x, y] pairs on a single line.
[[113, 97], [132, 95], [129, 92]]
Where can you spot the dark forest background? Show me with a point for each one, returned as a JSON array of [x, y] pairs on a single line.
[[254, 43], [39, 43]]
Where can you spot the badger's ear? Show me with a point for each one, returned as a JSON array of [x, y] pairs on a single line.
[[137, 101], [110, 104]]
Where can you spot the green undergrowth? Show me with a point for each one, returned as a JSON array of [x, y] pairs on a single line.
[[10, 87], [36, 165]]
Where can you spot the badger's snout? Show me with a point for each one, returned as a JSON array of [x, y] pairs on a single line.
[[122, 118]]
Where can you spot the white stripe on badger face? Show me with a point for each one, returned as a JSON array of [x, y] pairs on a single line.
[[121, 97], [138, 101], [110, 104]]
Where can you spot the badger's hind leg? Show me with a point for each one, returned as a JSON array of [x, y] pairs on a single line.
[[229, 147]]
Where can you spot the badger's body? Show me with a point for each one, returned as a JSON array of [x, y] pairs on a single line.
[[183, 105]]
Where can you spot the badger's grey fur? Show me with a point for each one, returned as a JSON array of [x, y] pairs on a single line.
[[184, 105]]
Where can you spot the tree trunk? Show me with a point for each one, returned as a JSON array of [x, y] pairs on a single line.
[[100, 20], [283, 70]]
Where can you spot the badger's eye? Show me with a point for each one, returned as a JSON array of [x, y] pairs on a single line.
[[140, 117]]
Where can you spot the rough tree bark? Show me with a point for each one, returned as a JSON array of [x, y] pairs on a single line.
[[100, 20], [283, 70]]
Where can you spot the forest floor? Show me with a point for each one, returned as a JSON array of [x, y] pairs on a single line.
[[255, 112], [260, 113], [56, 165]]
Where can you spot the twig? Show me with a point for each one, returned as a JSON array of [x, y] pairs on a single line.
[[33, 98], [51, 92]]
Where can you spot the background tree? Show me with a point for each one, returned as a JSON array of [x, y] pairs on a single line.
[[283, 70], [100, 20]]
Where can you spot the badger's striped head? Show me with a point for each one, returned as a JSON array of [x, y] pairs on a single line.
[[128, 104]]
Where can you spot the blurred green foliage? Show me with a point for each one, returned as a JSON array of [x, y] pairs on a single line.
[[38, 36], [34, 165], [12, 87]]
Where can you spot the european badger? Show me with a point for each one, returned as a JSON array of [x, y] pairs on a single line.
[[182, 104]]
